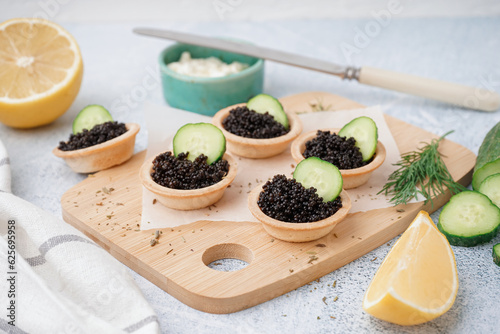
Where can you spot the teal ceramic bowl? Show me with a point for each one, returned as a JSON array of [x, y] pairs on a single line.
[[208, 95]]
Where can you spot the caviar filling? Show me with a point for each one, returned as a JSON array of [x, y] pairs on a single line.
[[244, 122], [100, 133], [180, 173], [287, 200], [340, 151]]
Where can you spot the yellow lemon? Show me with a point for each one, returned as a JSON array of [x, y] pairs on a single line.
[[417, 281], [40, 69]]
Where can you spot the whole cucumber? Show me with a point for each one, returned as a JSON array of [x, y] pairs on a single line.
[[488, 157]]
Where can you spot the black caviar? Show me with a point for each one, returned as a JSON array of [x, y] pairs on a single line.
[[179, 173], [97, 135], [244, 122], [287, 200], [340, 151]]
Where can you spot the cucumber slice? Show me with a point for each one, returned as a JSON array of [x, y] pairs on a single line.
[[491, 188], [496, 254], [469, 219], [263, 103], [90, 116], [200, 138], [365, 131], [320, 174], [488, 157]]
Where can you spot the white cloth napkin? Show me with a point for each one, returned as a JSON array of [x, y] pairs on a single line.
[[63, 282]]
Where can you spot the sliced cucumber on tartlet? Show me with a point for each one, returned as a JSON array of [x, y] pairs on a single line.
[[320, 174], [263, 103], [200, 138], [365, 131], [90, 116]]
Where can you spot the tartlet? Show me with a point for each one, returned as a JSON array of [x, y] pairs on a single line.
[[257, 148], [194, 199], [297, 232], [352, 177], [101, 156]]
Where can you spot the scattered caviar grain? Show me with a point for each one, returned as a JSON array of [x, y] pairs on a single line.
[[287, 200], [179, 173], [247, 123], [97, 135], [340, 151]]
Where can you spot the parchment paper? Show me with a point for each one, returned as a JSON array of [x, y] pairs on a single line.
[[163, 122]]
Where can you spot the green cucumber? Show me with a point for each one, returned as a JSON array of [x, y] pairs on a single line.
[[488, 157], [491, 188], [263, 103], [200, 138], [496, 254], [469, 219], [365, 131], [320, 174], [90, 116]]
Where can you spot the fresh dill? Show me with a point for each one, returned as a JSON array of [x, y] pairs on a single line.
[[424, 168]]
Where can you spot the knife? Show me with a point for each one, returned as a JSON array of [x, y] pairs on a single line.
[[463, 96]]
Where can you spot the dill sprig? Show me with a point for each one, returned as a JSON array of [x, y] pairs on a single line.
[[425, 168]]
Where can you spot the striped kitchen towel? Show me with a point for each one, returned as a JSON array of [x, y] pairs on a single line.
[[58, 280]]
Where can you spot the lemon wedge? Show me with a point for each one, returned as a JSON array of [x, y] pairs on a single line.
[[417, 281], [41, 69]]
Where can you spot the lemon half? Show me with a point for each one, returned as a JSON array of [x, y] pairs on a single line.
[[41, 72]]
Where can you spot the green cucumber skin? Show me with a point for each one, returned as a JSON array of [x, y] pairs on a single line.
[[488, 157], [306, 164], [281, 117], [104, 116], [345, 132], [492, 182], [220, 152], [468, 241], [462, 241], [496, 254]]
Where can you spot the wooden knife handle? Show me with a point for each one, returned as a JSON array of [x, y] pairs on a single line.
[[464, 96]]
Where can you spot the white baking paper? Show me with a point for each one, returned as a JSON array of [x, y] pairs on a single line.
[[163, 122]]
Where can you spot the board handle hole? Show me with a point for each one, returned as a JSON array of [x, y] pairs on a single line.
[[227, 257]]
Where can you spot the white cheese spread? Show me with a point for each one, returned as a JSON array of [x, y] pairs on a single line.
[[210, 67]]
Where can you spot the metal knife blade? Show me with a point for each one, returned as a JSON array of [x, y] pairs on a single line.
[[463, 96], [249, 50]]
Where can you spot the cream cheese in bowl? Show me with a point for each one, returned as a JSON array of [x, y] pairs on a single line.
[[211, 67], [209, 89]]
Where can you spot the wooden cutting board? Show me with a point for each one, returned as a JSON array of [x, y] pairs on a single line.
[[107, 207]]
